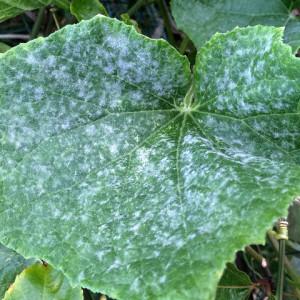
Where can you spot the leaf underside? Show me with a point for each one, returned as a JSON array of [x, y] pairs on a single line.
[[42, 282], [11, 264], [109, 175], [221, 16]]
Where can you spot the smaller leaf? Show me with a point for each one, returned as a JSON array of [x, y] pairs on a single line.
[[11, 264], [86, 9], [234, 284], [292, 33], [3, 47], [42, 282]]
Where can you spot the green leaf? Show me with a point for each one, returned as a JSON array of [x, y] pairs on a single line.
[[3, 47], [42, 282], [11, 264], [86, 9], [12, 8], [200, 19], [234, 284], [129, 188]]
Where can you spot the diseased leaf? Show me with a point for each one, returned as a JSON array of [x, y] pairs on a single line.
[[12, 8], [234, 284], [42, 282], [11, 264], [86, 9], [114, 177], [200, 19]]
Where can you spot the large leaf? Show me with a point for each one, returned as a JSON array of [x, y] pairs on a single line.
[[11, 8], [200, 19], [42, 282], [111, 177], [11, 264]]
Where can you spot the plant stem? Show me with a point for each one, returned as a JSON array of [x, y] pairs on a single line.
[[136, 6], [164, 11], [12, 36], [38, 23], [254, 254], [53, 10], [288, 267], [280, 278], [184, 44]]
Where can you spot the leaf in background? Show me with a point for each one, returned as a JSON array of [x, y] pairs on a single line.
[[42, 282], [112, 177], [12, 8], [292, 33], [11, 264], [4, 47], [294, 221], [234, 284], [86, 9], [200, 19]]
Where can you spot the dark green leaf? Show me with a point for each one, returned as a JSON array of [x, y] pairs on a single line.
[[86, 9], [234, 284], [11, 264], [200, 19], [3, 47]]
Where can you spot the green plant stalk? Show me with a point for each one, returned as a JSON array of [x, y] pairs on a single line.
[[254, 254], [38, 23], [184, 44], [136, 6], [288, 267], [164, 12], [53, 10], [280, 278]]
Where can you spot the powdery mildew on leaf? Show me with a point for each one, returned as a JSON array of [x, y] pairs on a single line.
[[220, 16], [110, 176]]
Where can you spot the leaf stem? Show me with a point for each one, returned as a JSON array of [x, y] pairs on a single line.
[[53, 10], [137, 5], [38, 23], [288, 267], [166, 17], [13, 36], [184, 44], [280, 278]]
